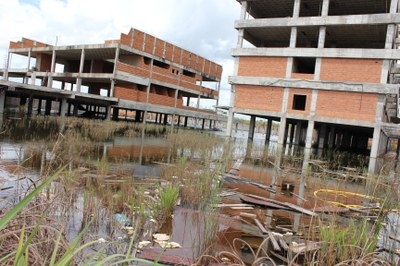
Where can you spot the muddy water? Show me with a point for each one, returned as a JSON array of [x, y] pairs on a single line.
[[189, 228]]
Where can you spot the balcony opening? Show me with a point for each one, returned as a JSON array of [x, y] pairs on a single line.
[[299, 102], [189, 74], [304, 65], [147, 60], [160, 64]]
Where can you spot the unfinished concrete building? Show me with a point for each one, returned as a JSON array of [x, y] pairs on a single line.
[[324, 69], [137, 75]]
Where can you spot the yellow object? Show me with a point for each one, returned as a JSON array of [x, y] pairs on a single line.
[[345, 193]]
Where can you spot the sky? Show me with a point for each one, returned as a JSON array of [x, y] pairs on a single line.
[[204, 27]]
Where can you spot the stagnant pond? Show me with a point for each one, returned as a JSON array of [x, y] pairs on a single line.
[[235, 203]]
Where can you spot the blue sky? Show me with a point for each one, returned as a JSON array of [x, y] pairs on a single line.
[[204, 27]]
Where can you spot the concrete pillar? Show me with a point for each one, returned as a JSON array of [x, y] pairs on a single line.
[[76, 107], [322, 136], [165, 119], [281, 132], [138, 115], [39, 109], [112, 86], [297, 135], [286, 133], [81, 64], [30, 106], [63, 107], [108, 112], [331, 137], [2, 101], [376, 136], [52, 69], [268, 130], [291, 133], [252, 126], [5, 74], [115, 112], [47, 110]]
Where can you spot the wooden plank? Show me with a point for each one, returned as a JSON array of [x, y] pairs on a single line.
[[274, 243], [242, 208], [261, 226], [248, 215], [262, 202], [279, 205]]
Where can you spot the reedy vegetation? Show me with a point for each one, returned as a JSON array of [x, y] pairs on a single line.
[[197, 162]]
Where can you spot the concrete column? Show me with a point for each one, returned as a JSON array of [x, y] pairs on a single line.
[[76, 107], [394, 6], [297, 135], [281, 132], [112, 86], [331, 137], [81, 64], [282, 126], [346, 140], [165, 119], [63, 107], [309, 135], [26, 78], [115, 112], [30, 106], [138, 115], [2, 102], [325, 8], [291, 134], [296, 8], [52, 69], [286, 133], [252, 126], [376, 140], [47, 110], [39, 109], [268, 130], [322, 137], [108, 112], [5, 74]]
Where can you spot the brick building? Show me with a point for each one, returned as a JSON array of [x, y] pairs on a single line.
[[138, 75], [324, 69]]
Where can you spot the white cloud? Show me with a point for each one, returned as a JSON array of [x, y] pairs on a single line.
[[202, 26]]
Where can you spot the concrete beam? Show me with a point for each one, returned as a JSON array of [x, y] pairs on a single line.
[[371, 19], [321, 119], [316, 84], [319, 52]]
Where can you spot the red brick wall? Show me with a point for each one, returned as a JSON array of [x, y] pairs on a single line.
[[262, 66], [353, 70], [347, 105], [157, 96], [259, 98], [43, 62]]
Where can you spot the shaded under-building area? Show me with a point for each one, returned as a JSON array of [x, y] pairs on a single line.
[[324, 71], [137, 77]]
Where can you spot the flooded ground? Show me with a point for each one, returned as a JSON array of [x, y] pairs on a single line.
[[112, 194]]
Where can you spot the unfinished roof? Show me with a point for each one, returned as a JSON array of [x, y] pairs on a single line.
[[284, 8], [273, 19]]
